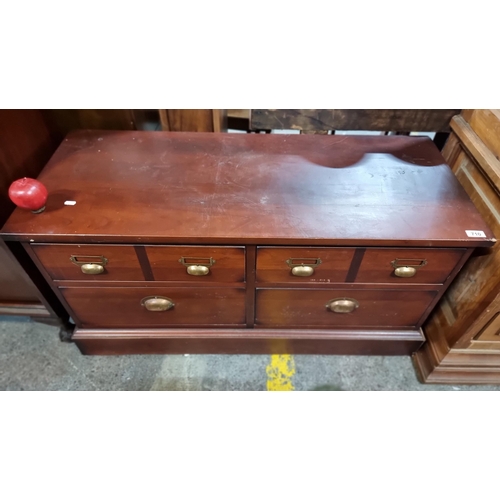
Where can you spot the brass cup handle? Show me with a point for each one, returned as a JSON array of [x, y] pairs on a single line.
[[343, 305], [197, 270], [302, 270], [92, 268], [303, 266], [89, 264], [197, 266], [405, 271], [157, 304], [407, 268]]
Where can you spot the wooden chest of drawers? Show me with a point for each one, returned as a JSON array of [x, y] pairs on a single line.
[[222, 243]]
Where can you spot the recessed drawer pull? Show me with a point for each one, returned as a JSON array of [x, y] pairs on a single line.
[[90, 264], [406, 268], [157, 304], [92, 269], [342, 305], [197, 266], [303, 267]]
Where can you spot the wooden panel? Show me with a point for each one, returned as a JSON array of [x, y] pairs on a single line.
[[491, 332], [25, 147], [241, 341], [486, 159], [219, 117], [122, 263], [67, 120], [272, 266], [475, 283], [456, 351], [250, 188], [33, 309], [307, 308], [376, 265], [451, 151], [419, 120], [486, 124], [121, 307], [26, 144], [229, 263], [193, 120], [15, 285]]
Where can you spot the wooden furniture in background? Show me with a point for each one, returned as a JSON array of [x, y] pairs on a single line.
[[63, 121], [464, 330], [238, 119], [422, 120], [28, 138], [389, 120], [193, 120], [248, 243], [26, 144]]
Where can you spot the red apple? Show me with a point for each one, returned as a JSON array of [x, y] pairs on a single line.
[[28, 193]]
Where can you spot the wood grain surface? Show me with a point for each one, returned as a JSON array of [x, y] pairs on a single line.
[[26, 144], [121, 307], [240, 341], [122, 262], [307, 308], [228, 263], [376, 266], [250, 188], [418, 120], [272, 264], [462, 331]]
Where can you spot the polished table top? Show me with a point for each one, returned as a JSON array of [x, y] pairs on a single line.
[[132, 186]]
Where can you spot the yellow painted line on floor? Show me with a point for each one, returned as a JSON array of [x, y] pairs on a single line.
[[280, 371]]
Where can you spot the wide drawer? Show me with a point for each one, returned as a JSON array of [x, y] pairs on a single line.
[[303, 265], [127, 307], [315, 308], [414, 265], [89, 262], [197, 263]]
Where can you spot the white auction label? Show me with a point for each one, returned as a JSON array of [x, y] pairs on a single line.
[[475, 234]]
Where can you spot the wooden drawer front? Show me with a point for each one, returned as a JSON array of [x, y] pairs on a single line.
[[328, 265], [122, 307], [432, 266], [224, 264], [119, 262], [307, 308]]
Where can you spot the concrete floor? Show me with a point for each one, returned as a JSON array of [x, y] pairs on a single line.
[[32, 358]]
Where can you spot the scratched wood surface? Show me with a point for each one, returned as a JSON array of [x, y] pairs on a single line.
[[248, 188]]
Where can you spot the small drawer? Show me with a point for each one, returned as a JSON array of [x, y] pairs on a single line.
[[336, 308], [408, 265], [156, 306], [90, 262], [303, 264], [197, 263]]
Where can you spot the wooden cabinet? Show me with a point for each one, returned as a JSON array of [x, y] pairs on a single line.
[[26, 144], [463, 331], [200, 242]]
